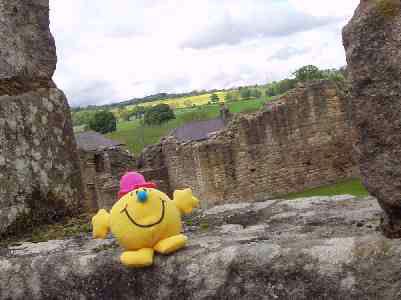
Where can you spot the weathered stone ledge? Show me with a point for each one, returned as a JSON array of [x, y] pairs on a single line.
[[14, 87], [316, 248]]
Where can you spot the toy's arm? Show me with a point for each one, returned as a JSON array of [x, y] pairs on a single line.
[[185, 201], [101, 224]]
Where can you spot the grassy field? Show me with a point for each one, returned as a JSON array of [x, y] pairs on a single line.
[[182, 101], [137, 136], [352, 187], [246, 106]]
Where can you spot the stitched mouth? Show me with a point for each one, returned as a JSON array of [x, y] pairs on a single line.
[[147, 225]]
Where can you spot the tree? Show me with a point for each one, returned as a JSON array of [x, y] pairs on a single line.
[[285, 85], [214, 98], [158, 114], [188, 103], [124, 114], [306, 73], [256, 93], [82, 117], [138, 112], [271, 91], [245, 93], [230, 96], [103, 121], [334, 74], [173, 105]]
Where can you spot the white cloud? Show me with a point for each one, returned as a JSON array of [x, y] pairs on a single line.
[[342, 8], [116, 50], [235, 21]]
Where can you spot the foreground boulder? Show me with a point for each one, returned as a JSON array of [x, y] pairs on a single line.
[[372, 41], [39, 169], [316, 248]]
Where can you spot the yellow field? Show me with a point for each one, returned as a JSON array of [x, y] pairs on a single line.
[[183, 102]]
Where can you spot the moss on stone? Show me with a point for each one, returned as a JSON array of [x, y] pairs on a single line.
[[113, 245], [42, 210], [373, 249], [66, 228], [189, 222], [204, 225], [388, 8]]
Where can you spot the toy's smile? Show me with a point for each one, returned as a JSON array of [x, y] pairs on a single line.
[[147, 225]]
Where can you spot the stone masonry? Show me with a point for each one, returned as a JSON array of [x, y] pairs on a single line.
[[302, 140], [101, 170], [39, 169], [152, 166], [372, 41]]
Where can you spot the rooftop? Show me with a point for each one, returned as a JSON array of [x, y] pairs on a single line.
[[197, 131], [93, 141]]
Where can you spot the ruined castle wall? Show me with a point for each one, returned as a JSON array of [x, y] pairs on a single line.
[[121, 161], [300, 141], [152, 165], [101, 171], [39, 170]]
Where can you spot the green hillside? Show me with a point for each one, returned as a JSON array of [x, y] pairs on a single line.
[[183, 102], [352, 187], [137, 136]]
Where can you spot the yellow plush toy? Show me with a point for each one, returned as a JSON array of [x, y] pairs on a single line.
[[145, 220]]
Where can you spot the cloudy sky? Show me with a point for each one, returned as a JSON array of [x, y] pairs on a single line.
[[111, 51]]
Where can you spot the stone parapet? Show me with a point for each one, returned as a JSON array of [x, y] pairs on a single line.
[[300, 141]]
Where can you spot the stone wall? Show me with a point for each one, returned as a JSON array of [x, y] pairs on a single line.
[[101, 172], [302, 140], [39, 170], [152, 165]]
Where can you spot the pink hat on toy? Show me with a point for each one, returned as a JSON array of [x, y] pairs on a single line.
[[132, 181]]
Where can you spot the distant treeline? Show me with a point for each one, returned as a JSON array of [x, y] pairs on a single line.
[[151, 98], [276, 88], [304, 74], [82, 115]]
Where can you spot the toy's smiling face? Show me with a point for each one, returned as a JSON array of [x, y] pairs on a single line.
[[143, 214], [143, 208], [137, 218]]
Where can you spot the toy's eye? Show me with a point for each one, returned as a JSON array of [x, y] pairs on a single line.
[[136, 192]]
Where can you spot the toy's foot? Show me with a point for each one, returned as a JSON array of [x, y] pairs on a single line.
[[171, 244], [137, 259]]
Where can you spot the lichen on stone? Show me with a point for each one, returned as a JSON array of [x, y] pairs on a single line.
[[388, 8], [271, 260], [28, 229], [371, 41]]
